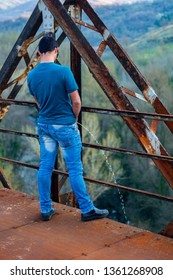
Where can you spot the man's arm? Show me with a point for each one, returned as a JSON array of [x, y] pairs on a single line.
[[76, 103]]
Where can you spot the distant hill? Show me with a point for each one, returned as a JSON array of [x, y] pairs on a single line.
[[160, 36], [126, 22], [130, 22], [156, 45], [12, 10]]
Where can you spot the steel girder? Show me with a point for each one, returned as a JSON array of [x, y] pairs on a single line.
[[116, 93], [140, 128]]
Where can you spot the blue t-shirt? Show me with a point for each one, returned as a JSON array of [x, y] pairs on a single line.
[[51, 84]]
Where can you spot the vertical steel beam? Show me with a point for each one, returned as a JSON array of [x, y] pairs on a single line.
[[75, 58], [75, 62], [48, 20], [55, 190], [114, 92]]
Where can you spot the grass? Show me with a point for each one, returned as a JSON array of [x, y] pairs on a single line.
[[154, 44]]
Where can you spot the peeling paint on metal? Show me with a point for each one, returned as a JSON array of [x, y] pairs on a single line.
[[155, 144], [150, 95], [106, 34]]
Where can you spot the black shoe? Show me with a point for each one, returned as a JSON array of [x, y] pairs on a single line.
[[48, 216], [95, 214]]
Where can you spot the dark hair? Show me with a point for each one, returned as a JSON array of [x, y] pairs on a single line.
[[47, 44]]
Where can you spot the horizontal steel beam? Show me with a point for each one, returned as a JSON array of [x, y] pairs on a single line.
[[19, 133], [97, 147], [125, 113], [7, 101], [126, 151], [99, 182]]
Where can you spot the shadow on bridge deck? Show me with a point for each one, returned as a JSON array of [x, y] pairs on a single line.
[[23, 236]]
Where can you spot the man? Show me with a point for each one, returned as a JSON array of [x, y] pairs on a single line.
[[55, 91]]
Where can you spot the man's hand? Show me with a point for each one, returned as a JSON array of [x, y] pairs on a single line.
[[76, 103]]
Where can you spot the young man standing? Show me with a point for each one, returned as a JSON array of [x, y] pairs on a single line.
[[55, 90]]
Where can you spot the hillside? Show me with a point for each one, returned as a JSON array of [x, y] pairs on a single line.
[[130, 22], [156, 38]]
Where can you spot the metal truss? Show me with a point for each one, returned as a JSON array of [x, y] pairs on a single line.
[[52, 15]]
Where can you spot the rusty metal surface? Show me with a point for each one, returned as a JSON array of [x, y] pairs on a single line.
[[18, 51], [106, 111], [13, 59], [23, 236], [75, 58]]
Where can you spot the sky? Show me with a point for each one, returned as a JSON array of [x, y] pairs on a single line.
[[12, 3]]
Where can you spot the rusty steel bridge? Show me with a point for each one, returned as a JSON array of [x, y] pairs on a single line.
[[108, 236]]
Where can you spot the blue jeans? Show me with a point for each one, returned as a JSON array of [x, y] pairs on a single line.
[[67, 137]]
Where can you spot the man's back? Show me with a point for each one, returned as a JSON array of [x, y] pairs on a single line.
[[51, 84]]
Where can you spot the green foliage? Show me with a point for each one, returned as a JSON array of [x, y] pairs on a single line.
[[129, 22], [99, 164], [7, 41]]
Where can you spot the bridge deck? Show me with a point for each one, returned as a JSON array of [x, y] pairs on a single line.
[[23, 236]]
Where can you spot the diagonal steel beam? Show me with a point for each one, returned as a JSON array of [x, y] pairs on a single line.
[[13, 59], [19, 81], [126, 61], [4, 180], [114, 92]]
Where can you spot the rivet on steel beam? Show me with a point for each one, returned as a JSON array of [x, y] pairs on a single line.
[[48, 20]]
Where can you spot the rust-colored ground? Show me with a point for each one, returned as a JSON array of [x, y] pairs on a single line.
[[23, 236]]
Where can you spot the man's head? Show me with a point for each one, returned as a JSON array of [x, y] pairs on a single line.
[[47, 44]]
